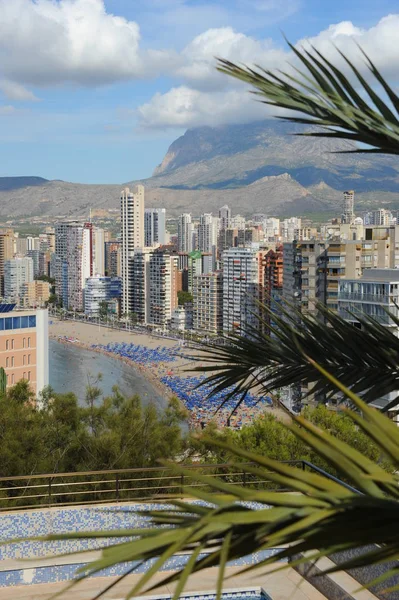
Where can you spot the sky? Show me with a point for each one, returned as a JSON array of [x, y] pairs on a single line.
[[94, 91]]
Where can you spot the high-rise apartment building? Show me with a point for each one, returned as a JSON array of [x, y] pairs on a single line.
[[185, 233], [113, 259], [348, 213], [17, 271], [154, 227], [154, 277], [208, 231], [24, 346], [7, 251], [162, 287], [208, 303], [79, 264], [225, 217], [140, 276], [243, 281], [98, 251], [132, 236], [300, 273]]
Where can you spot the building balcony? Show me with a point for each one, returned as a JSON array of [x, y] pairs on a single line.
[[358, 297]]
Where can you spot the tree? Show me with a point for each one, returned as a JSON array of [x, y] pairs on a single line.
[[324, 516], [184, 297], [103, 309]]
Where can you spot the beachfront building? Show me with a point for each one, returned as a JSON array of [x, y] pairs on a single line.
[[78, 264], [162, 287], [113, 259], [99, 236], [24, 346], [185, 233], [102, 292], [154, 227], [35, 293], [17, 271], [243, 281], [208, 303], [182, 318], [132, 237], [139, 274], [208, 231]]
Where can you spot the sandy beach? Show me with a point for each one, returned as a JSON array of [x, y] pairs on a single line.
[[86, 334]]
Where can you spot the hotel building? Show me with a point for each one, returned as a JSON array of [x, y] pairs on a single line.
[[24, 346]]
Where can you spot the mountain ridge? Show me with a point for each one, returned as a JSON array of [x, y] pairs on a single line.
[[261, 167]]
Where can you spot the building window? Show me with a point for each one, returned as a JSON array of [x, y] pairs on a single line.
[[7, 361], [12, 344], [12, 361], [28, 359], [24, 376], [7, 344], [24, 359], [28, 342], [28, 375], [24, 343], [12, 377]]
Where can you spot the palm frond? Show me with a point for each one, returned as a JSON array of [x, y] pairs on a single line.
[[328, 99], [365, 360], [323, 516]]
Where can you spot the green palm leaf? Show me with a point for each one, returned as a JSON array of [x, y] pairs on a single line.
[[365, 360], [328, 99]]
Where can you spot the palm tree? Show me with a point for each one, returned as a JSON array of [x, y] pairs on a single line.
[[323, 516]]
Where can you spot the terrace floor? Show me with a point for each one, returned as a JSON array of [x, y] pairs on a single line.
[[282, 585]]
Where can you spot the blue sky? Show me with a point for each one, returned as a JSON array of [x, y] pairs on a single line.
[[94, 91]]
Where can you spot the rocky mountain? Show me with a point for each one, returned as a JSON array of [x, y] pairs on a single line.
[[260, 167], [236, 155]]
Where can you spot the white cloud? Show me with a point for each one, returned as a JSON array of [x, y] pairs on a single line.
[[43, 42], [199, 56], [379, 42], [184, 107], [15, 91], [209, 98]]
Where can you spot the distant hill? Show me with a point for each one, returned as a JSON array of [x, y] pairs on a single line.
[[260, 167], [15, 183]]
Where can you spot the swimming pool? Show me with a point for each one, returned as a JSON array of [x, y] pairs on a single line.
[[253, 593]]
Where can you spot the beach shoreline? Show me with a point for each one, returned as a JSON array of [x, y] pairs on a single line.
[[87, 336]]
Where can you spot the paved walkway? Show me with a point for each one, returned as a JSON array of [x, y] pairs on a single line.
[[282, 585]]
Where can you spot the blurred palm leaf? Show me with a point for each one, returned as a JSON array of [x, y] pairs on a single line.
[[328, 99], [365, 360], [323, 516]]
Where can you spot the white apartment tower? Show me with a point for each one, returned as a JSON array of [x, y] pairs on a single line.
[[348, 214], [185, 233], [208, 231], [132, 236], [98, 251], [154, 227], [243, 278], [225, 217], [17, 271], [79, 263]]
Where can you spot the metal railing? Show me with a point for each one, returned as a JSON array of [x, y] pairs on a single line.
[[123, 485]]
